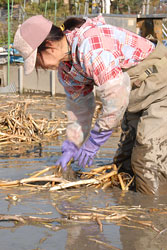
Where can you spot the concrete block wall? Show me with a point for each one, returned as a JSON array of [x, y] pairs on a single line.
[[43, 81], [126, 22]]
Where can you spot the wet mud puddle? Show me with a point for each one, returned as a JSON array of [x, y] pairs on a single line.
[[20, 161]]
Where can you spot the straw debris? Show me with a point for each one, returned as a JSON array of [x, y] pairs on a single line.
[[103, 177], [120, 215], [126, 216], [18, 125]]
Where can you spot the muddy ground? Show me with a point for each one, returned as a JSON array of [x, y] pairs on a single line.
[[19, 160]]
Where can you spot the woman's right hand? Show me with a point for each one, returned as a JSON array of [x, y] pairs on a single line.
[[69, 150]]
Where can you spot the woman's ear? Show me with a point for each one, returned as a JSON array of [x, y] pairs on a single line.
[[52, 45], [49, 44]]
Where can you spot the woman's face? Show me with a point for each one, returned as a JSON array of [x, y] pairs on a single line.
[[55, 52]]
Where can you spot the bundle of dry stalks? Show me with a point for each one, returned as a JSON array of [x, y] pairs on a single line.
[[18, 125], [102, 177]]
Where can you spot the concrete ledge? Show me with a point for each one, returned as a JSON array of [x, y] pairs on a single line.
[[41, 81]]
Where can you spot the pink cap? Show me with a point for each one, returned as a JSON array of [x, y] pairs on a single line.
[[28, 37]]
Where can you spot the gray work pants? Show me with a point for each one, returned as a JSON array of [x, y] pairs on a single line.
[[142, 148]]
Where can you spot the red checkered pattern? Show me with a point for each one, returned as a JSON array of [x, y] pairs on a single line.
[[99, 53]]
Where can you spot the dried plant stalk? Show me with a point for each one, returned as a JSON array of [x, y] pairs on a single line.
[[56, 181], [74, 184], [19, 126]]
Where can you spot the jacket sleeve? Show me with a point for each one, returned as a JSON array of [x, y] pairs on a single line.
[[114, 95], [79, 113], [112, 85]]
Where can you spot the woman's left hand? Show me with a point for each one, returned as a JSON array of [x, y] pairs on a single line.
[[88, 150]]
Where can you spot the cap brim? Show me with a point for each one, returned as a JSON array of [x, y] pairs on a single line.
[[29, 62]]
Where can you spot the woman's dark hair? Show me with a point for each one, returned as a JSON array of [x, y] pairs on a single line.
[[56, 34], [73, 22]]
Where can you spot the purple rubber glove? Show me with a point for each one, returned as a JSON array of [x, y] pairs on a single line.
[[69, 149], [88, 150]]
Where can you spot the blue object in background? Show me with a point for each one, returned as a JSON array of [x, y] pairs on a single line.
[[14, 56]]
